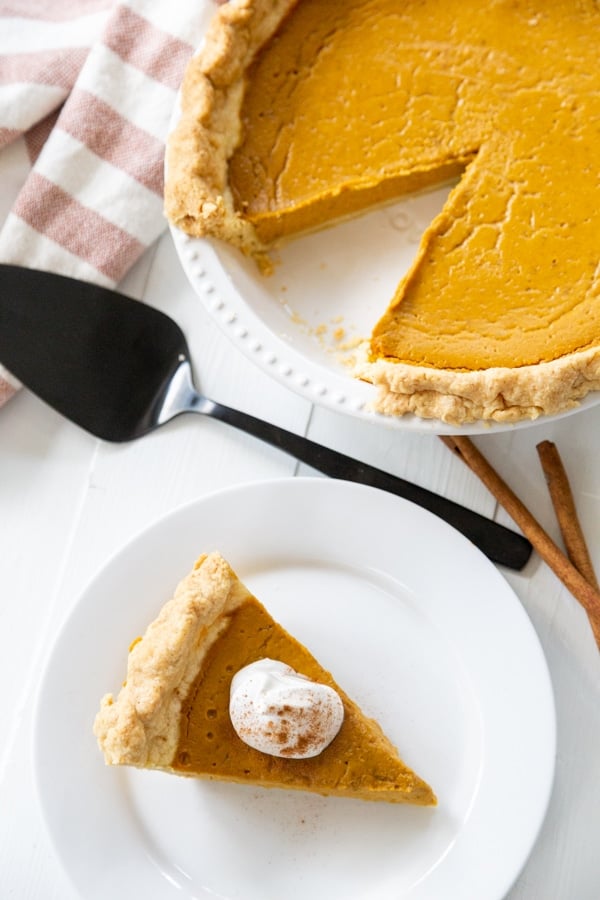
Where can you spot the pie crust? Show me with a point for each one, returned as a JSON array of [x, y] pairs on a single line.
[[172, 712], [200, 201]]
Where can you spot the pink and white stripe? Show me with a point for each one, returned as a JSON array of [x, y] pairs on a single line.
[[90, 86], [42, 49]]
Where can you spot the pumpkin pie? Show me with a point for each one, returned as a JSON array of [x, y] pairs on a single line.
[[298, 114], [172, 712]]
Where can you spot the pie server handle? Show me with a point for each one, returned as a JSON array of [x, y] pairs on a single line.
[[500, 544]]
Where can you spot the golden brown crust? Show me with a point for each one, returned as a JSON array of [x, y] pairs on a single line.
[[141, 726], [499, 395], [197, 194]]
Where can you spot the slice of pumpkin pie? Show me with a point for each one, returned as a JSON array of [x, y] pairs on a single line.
[[298, 113], [217, 689]]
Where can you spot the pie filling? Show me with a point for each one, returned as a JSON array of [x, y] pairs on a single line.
[[508, 275], [356, 760], [299, 114]]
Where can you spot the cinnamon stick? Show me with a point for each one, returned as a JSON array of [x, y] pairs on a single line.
[[563, 568], [565, 510]]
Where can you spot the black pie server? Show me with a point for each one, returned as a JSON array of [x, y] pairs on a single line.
[[119, 369]]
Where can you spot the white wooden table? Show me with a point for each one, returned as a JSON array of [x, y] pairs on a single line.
[[68, 501]]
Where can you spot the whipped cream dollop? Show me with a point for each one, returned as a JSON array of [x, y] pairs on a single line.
[[280, 712]]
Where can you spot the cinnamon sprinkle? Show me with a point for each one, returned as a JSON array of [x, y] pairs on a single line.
[[310, 724]]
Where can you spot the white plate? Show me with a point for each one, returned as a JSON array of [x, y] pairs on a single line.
[[415, 623], [340, 278]]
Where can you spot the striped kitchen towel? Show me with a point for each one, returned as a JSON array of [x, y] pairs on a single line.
[[89, 86]]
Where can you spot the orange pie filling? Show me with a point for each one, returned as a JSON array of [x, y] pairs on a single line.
[[357, 760], [356, 103]]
